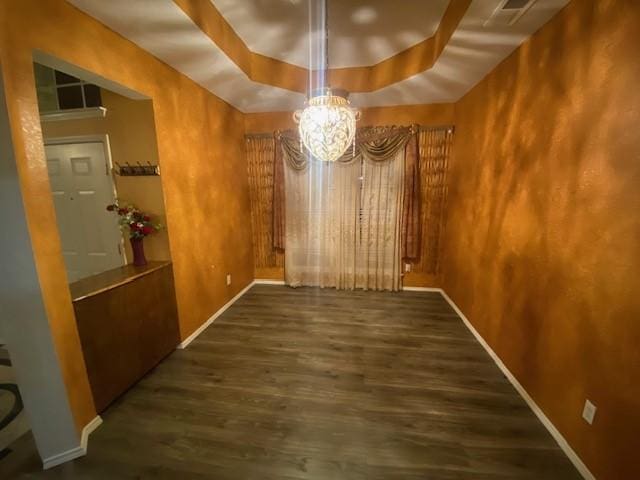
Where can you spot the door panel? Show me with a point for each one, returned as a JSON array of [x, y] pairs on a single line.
[[82, 187], [61, 190], [70, 247]]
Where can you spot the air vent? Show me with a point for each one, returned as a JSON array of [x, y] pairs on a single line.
[[508, 12]]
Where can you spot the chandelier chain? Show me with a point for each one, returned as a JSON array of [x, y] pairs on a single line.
[[326, 43]]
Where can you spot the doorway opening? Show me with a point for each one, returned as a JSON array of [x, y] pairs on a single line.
[[94, 134], [90, 132]]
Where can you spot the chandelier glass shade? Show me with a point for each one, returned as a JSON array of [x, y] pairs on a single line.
[[327, 126]]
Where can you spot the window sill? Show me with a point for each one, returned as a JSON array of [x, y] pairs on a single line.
[[73, 114]]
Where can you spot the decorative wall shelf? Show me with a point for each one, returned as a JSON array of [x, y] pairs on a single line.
[[139, 170]]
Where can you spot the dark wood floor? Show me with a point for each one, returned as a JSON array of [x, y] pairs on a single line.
[[324, 385]]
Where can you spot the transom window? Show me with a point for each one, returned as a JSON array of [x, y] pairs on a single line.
[[60, 91]]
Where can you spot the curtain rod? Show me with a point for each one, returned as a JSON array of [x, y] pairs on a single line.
[[426, 128], [422, 128]]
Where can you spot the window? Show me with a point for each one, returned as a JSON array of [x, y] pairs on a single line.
[[60, 91]]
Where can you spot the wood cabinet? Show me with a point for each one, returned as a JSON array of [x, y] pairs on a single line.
[[128, 322]]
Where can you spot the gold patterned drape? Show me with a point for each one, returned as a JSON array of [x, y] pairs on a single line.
[[410, 226], [278, 199], [434, 151], [260, 152]]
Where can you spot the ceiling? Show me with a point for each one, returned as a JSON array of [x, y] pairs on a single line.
[[361, 32], [221, 46]]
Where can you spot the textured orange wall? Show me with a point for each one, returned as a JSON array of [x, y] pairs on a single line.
[[434, 114], [200, 146], [132, 138], [543, 237]]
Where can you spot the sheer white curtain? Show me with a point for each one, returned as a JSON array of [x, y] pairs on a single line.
[[343, 224], [322, 204], [379, 248]]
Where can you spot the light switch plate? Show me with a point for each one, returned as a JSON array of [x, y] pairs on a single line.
[[228, 279], [589, 412]]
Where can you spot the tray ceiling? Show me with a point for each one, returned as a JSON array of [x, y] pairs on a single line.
[[362, 32], [167, 31]]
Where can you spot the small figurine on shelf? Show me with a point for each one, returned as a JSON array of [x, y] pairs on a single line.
[[138, 225]]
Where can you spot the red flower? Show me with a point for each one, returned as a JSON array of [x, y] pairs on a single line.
[[139, 222]]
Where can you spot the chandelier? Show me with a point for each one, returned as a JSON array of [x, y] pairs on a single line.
[[327, 125]]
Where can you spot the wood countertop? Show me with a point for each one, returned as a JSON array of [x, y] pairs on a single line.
[[95, 284]]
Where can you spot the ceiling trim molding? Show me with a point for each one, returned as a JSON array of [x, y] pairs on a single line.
[[270, 71], [409, 62], [259, 68]]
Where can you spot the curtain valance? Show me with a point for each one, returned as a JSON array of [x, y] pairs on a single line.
[[377, 144]]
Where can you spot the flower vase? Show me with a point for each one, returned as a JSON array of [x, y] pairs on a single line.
[[137, 247]]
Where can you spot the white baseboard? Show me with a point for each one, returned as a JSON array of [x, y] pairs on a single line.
[[211, 319], [422, 289], [63, 457], [76, 452], [266, 281], [562, 442], [88, 429]]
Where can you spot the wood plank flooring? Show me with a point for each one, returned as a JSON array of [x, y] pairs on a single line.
[[311, 384]]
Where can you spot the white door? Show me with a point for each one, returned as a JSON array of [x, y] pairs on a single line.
[[82, 188]]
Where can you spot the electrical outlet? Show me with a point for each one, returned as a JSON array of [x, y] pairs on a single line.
[[228, 279], [407, 267], [589, 412]]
